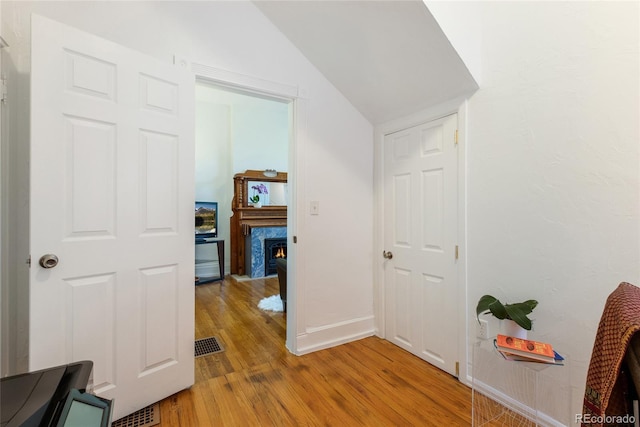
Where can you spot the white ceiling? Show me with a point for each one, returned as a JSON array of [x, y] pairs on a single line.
[[389, 58]]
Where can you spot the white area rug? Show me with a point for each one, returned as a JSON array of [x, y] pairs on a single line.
[[272, 303]]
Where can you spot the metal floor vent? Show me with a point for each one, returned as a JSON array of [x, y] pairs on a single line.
[[145, 417], [207, 346]]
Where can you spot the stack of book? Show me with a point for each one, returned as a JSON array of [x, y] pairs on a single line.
[[518, 349]]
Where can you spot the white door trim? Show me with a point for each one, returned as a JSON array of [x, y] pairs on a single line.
[[298, 97], [458, 106]]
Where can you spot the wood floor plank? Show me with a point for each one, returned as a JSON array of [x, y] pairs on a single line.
[[256, 381], [312, 389], [393, 408]]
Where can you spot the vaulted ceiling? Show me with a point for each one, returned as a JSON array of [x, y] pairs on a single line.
[[389, 58]]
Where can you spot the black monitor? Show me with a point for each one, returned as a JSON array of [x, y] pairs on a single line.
[[206, 219], [84, 410]]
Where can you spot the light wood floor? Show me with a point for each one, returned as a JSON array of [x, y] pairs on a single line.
[[257, 382]]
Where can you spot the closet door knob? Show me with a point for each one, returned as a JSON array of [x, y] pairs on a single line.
[[48, 261], [387, 255]]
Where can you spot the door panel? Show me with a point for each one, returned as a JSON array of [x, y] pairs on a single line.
[[402, 299], [112, 167], [91, 178], [159, 296], [90, 311], [433, 218], [402, 209], [421, 217], [159, 183]]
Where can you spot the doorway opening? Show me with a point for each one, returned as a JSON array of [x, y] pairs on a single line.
[[238, 130]]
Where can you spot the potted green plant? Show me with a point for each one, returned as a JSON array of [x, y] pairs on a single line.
[[517, 312]]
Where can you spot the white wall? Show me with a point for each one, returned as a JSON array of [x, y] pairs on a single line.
[[236, 132], [553, 166], [261, 137], [333, 158], [459, 22]]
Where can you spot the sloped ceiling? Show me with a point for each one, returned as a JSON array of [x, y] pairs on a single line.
[[389, 58]]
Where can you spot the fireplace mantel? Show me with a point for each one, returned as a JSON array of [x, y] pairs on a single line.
[[245, 217]]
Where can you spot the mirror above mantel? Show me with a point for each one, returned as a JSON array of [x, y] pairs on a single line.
[[270, 187], [268, 193]]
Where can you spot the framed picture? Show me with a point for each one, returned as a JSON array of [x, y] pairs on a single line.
[[206, 219]]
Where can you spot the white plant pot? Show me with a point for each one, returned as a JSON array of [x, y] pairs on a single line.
[[257, 205], [512, 329]]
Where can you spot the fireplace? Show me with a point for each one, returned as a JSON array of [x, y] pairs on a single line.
[[256, 258], [273, 249]]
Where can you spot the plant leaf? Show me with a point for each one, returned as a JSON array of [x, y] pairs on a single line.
[[522, 307], [498, 310], [483, 305], [518, 312], [520, 318], [531, 303]]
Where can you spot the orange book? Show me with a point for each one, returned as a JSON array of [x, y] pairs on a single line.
[[526, 348]]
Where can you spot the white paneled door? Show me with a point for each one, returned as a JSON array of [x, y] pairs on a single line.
[[420, 241], [112, 183]]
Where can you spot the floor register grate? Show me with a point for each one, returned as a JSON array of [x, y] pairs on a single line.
[[145, 417], [208, 346], [150, 416]]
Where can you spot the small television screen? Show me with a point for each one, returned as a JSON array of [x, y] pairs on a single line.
[[206, 219]]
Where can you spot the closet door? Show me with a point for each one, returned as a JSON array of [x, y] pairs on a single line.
[[421, 217]]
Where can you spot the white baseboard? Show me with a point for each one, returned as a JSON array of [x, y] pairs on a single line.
[[315, 339]]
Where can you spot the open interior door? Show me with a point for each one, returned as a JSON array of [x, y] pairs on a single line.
[[111, 234]]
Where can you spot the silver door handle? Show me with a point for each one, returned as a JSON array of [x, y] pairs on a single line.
[[387, 255], [48, 261]]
